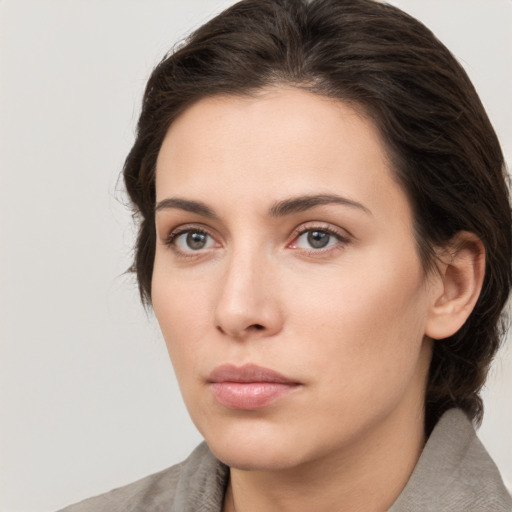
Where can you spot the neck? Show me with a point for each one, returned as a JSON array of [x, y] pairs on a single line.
[[368, 476]]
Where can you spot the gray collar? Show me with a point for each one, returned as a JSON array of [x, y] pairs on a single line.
[[454, 473]]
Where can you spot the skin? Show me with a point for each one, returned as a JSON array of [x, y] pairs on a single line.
[[348, 322]]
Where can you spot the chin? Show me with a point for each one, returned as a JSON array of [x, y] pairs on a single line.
[[254, 458], [256, 449]]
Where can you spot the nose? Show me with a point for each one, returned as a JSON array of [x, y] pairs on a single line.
[[248, 302]]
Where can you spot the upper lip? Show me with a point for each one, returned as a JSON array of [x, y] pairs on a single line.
[[247, 373]]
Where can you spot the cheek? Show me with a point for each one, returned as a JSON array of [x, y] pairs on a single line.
[[182, 310], [369, 318]]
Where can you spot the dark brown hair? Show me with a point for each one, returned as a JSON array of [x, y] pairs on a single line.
[[445, 152]]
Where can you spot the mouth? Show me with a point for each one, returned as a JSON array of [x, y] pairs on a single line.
[[248, 387]]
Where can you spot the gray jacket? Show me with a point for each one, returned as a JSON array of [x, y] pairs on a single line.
[[453, 474]]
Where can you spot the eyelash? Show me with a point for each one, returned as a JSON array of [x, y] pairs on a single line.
[[171, 239], [342, 239]]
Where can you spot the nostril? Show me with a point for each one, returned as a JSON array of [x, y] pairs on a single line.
[[239, 332]]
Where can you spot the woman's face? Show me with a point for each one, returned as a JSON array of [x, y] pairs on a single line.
[[287, 282]]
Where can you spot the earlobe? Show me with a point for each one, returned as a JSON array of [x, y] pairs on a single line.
[[461, 276]]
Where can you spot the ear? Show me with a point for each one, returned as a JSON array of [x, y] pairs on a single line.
[[460, 279]]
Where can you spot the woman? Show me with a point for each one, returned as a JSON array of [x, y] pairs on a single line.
[[325, 240]]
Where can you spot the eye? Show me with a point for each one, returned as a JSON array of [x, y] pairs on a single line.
[[318, 239], [315, 239], [191, 240]]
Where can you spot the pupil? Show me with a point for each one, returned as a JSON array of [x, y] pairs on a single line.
[[196, 240], [318, 239]]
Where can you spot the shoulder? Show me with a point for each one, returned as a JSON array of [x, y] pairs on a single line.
[[200, 479], [454, 473]]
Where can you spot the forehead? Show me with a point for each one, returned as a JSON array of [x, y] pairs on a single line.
[[276, 143]]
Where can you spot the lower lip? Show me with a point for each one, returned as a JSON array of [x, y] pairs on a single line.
[[250, 395]]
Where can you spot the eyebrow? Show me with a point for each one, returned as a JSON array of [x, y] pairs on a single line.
[[278, 209], [303, 203], [186, 205]]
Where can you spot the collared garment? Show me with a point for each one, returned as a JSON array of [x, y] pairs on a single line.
[[453, 474]]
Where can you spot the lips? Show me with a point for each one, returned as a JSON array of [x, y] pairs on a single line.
[[248, 387]]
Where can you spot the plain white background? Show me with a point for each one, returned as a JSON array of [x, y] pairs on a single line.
[[88, 397]]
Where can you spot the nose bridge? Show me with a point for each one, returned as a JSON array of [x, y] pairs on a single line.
[[246, 302]]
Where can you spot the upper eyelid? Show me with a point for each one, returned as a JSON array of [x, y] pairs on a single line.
[[329, 230], [185, 228], [322, 226], [340, 239]]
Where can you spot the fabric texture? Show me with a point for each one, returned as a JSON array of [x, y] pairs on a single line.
[[453, 474]]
